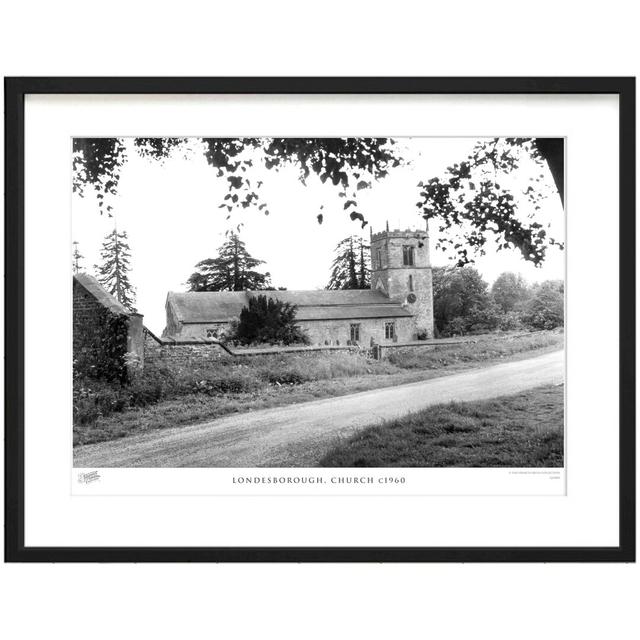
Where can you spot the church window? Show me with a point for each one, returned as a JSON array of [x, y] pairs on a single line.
[[379, 256], [407, 256], [212, 333], [389, 330], [354, 333], [410, 283]]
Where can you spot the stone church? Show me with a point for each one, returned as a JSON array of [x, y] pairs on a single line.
[[397, 308]]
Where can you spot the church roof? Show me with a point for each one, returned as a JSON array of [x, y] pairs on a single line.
[[224, 306], [207, 306]]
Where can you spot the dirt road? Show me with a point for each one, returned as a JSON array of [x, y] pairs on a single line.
[[299, 435]]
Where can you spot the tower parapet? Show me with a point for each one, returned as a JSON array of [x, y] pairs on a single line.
[[400, 233]]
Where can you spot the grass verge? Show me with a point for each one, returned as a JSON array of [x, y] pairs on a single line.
[[103, 412], [523, 430]]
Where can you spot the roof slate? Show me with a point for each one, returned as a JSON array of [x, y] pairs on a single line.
[[224, 306], [322, 297], [207, 306]]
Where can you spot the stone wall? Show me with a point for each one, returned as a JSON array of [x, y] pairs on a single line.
[[411, 348], [183, 353], [161, 354], [333, 331], [135, 339], [174, 354], [95, 312]]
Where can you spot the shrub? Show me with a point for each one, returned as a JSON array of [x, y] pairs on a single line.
[[456, 327], [546, 309], [104, 354], [224, 382], [150, 386], [287, 377], [268, 320], [93, 399], [511, 321], [484, 318]]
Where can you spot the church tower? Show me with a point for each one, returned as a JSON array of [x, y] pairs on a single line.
[[401, 269]]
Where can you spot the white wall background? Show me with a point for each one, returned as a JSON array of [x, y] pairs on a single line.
[[319, 38]]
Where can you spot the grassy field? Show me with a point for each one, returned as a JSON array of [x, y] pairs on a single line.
[[523, 430], [102, 412]]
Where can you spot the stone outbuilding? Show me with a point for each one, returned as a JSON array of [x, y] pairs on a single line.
[[96, 318], [397, 308]]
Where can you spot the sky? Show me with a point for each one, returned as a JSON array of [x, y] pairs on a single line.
[[170, 213]]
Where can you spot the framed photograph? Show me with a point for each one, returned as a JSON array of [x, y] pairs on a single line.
[[320, 319]]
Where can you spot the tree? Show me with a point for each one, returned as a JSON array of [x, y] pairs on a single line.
[[233, 270], [461, 300], [469, 205], [269, 320], [510, 291], [350, 164], [484, 317], [351, 266], [77, 256], [468, 202], [545, 310], [113, 273]]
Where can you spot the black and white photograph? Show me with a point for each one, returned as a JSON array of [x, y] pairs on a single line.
[[318, 302], [324, 314], [320, 320]]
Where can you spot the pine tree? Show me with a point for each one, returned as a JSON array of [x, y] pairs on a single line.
[[233, 270], [364, 266], [351, 266], [113, 273], [77, 256]]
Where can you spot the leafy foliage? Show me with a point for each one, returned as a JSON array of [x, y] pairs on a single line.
[[269, 320], [113, 273], [351, 267], [462, 302], [97, 164], [469, 204], [545, 310], [350, 164], [233, 270], [510, 291], [104, 355]]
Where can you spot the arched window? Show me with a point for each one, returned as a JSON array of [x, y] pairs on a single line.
[[410, 283], [407, 256]]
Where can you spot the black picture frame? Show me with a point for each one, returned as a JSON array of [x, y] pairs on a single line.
[[15, 91]]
